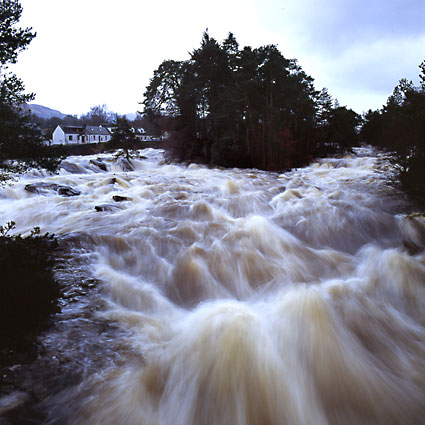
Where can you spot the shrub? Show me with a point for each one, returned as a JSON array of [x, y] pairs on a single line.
[[28, 289]]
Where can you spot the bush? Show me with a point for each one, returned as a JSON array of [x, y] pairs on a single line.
[[412, 176], [28, 289]]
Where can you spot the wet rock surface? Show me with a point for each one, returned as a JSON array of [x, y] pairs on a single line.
[[99, 164], [105, 207], [43, 188], [67, 191], [125, 164], [70, 167], [119, 198]]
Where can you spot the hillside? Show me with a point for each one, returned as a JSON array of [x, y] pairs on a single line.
[[43, 111]]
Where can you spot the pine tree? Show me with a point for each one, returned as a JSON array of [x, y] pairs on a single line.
[[123, 135], [19, 138]]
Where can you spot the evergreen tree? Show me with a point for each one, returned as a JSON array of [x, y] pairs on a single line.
[[241, 107], [400, 127], [19, 138], [123, 135]]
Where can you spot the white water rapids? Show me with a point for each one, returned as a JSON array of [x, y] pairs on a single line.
[[243, 297]]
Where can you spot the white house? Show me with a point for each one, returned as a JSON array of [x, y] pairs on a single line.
[[141, 135], [65, 135]]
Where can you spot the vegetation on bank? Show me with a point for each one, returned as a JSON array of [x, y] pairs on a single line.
[[246, 107], [123, 136], [28, 289], [19, 138], [255, 108], [399, 126]]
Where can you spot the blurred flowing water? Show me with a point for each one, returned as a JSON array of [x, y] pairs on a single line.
[[228, 296]]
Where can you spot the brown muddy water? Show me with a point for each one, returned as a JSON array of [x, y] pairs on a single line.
[[226, 297]]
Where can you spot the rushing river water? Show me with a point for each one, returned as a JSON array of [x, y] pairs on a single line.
[[230, 297]]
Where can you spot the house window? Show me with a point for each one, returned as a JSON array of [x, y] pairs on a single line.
[[70, 138]]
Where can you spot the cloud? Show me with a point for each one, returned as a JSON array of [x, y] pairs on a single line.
[[357, 49], [332, 26], [91, 52]]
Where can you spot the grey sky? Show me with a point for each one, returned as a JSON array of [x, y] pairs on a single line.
[[91, 52]]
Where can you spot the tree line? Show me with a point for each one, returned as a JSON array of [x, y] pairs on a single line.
[[224, 105], [399, 126], [248, 107]]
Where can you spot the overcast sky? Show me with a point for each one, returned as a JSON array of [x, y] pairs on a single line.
[[90, 52]]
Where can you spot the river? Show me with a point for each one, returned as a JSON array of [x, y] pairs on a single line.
[[210, 296]]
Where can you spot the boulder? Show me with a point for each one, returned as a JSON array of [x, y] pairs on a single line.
[[98, 163], [118, 198], [40, 187], [70, 167], [105, 207], [67, 191], [43, 188], [125, 164]]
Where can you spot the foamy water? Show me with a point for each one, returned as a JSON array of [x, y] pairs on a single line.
[[243, 297]]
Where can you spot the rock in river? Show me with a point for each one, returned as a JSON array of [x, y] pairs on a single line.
[[98, 163], [125, 164], [118, 198], [105, 207], [43, 188]]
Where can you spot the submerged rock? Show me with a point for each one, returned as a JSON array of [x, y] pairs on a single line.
[[43, 188], [70, 167], [98, 163], [118, 198], [67, 191], [40, 187], [105, 207], [125, 164]]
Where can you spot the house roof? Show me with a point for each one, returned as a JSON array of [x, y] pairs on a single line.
[[87, 130], [97, 130], [72, 129]]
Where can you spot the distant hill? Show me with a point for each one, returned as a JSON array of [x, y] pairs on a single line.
[[131, 116], [46, 113], [43, 111]]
